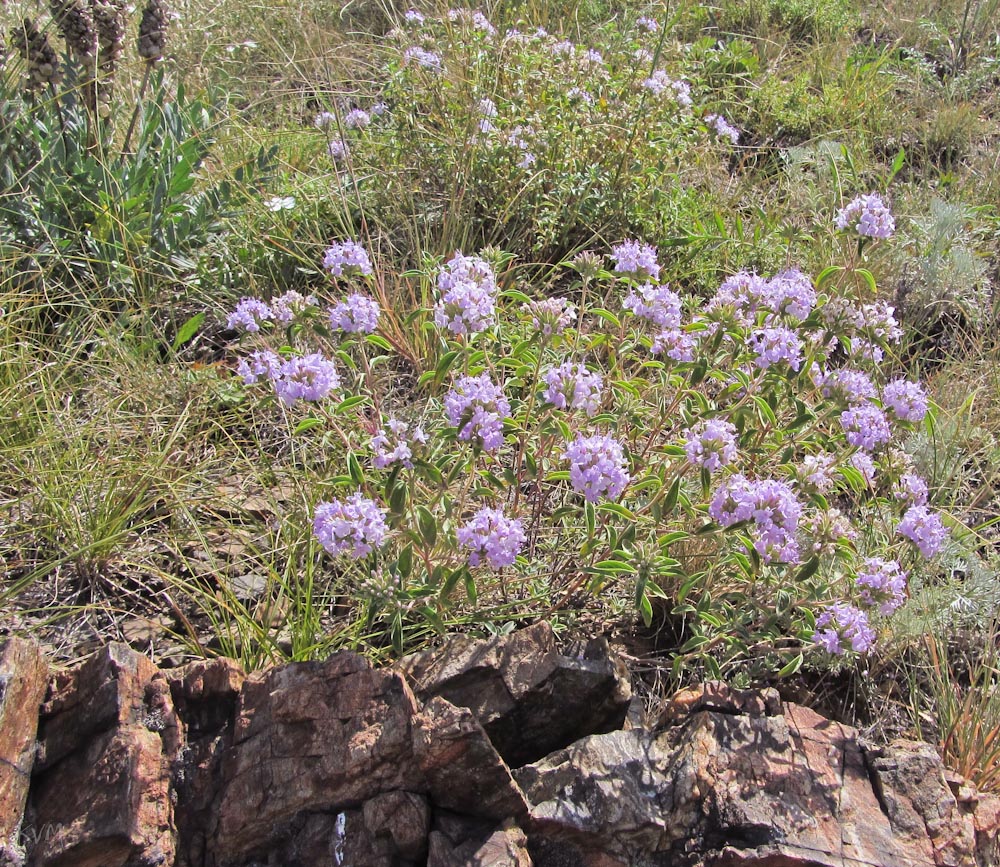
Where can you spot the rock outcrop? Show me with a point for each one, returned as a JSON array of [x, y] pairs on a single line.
[[502, 753]]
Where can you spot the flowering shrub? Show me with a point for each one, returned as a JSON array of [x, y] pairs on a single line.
[[754, 482]]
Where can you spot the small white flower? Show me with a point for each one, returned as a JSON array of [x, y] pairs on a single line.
[[280, 203]]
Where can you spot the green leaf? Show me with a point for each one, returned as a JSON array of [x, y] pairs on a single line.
[[427, 525], [792, 666], [470, 587], [646, 609], [764, 410], [897, 164], [379, 341], [617, 509], [188, 330], [307, 423], [869, 278], [809, 568], [354, 469], [607, 316], [827, 274], [591, 518], [670, 502], [349, 403], [668, 539], [405, 562], [615, 567]]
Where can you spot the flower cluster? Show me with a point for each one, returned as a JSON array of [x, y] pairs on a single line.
[[347, 259], [572, 386], [868, 216], [248, 315], [659, 82], [774, 345], [305, 377], [882, 583], [355, 526], [723, 128], [491, 535], [467, 289], [286, 307], [597, 467], [356, 314], [636, 260], [477, 407], [924, 528], [865, 426], [906, 400], [842, 627], [395, 442], [711, 444], [657, 304], [771, 505], [550, 315], [423, 58]]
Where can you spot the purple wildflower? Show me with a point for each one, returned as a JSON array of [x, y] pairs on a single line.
[[723, 128], [491, 535], [597, 467], [306, 377], [772, 506], [924, 528], [846, 629], [248, 315], [357, 118], [906, 400], [468, 295], [422, 57], [882, 583], [571, 386], [258, 364], [338, 149], [745, 291], [636, 260], [286, 307], [391, 444], [658, 304], [676, 344], [868, 216], [356, 314], [413, 16], [711, 444], [325, 120], [650, 25], [355, 526], [791, 292], [846, 385], [865, 427], [477, 407], [550, 315], [347, 259], [774, 345], [911, 489], [864, 464], [817, 471], [828, 528]]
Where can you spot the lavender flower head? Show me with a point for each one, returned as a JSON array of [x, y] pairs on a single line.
[[258, 364], [477, 407], [357, 118], [325, 120], [422, 57], [467, 302], [597, 467], [924, 528], [658, 304], [338, 149], [491, 535], [774, 345], [723, 128], [306, 377], [413, 16], [356, 314], [394, 444], [347, 259], [842, 627], [248, 315], [286, 307], [846, 385], [911, 489], [791, 293], [771, 505], [571, 386], [817, 471], [675, 344], [636, 260], [355, 526], [711, 444], [868, 216], [906, 400], [882, 583], [863, 463], [865, 427], [746, 292], [550, 315], [650, 25]]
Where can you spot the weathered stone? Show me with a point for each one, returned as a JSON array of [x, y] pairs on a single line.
[[722, 698], [530, 698], [987, 824], [311, 738], [458, 841], [462, 769], [101, 794], [403, 818], [106, 691], [205, 693], [23, 679], [728, 789], [909, 779]]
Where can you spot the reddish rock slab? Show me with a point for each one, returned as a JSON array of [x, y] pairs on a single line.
[[101, 796], [23, 680], [310, 738], [505, 847], [529, 697]]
